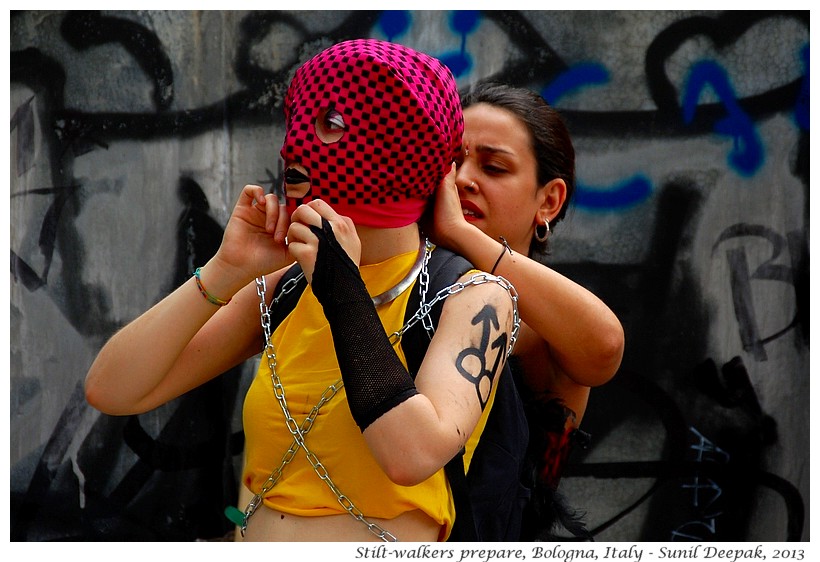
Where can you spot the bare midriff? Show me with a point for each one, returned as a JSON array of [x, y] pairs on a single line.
[[268, 524]]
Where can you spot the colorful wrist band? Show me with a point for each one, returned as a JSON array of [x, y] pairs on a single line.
[[208, 296]]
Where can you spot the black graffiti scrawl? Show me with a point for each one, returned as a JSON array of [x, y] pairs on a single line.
[[684, 133]]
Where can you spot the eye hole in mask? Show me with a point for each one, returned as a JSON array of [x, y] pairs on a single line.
[[330, 126]]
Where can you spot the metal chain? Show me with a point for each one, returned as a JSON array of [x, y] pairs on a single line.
[[476, 279], [424, 281], [299, 431]]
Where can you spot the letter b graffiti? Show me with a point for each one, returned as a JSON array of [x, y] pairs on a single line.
[[741, 279]]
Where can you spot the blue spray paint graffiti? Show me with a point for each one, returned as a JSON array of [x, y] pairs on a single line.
[[577, 77], [394, 23], [626, 193], [460, 62], [746, 156], [621, 195]]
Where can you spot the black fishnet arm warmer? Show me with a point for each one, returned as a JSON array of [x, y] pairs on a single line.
[[375, 379]]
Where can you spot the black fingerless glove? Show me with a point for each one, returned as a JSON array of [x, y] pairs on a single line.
[[375, 379]]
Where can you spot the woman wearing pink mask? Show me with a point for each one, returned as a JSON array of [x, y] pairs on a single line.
[[342, 443], [515, 177]]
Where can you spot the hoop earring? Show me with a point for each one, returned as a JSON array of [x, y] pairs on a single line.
[[542, 231]]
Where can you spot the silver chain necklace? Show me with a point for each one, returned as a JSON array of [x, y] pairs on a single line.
[[299, 431]]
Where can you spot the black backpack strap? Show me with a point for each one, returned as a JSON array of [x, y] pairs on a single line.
[[444, 269], [287, 302]]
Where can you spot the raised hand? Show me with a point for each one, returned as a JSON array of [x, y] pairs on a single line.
[[304, 245], [447, 213], [254, 239]]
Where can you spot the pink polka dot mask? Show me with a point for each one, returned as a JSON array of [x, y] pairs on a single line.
[[375, 126]]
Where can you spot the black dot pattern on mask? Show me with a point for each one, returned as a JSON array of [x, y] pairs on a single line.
[[402, 116]]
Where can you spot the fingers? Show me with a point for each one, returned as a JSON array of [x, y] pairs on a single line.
[[280, 228], [252, 195], [450, 179], [298, 235], [305, 216], [273, 212], [448, 183], [313, 212], [303, 245], [310, 215], [447, 194], [276, 221]]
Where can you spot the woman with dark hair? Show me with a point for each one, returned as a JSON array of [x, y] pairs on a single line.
[[515, 177], [372, 466]]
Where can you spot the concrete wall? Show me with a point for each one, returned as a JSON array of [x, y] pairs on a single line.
[[133, 132]]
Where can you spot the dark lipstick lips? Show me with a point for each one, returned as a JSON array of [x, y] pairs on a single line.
[[295, 176]]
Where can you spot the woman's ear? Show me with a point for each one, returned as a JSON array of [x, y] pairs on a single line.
[[554, 196]]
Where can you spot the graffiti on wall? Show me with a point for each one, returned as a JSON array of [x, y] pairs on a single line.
[[142, 477]]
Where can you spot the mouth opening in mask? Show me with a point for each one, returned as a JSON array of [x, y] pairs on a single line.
[[297, 183], [295, 177]]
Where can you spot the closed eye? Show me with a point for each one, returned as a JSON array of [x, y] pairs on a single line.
[[495, 170]]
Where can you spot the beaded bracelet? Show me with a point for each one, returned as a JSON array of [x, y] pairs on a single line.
[[208, 296], [505, 249]]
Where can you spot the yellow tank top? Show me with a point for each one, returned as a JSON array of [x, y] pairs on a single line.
[[307, 365]]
